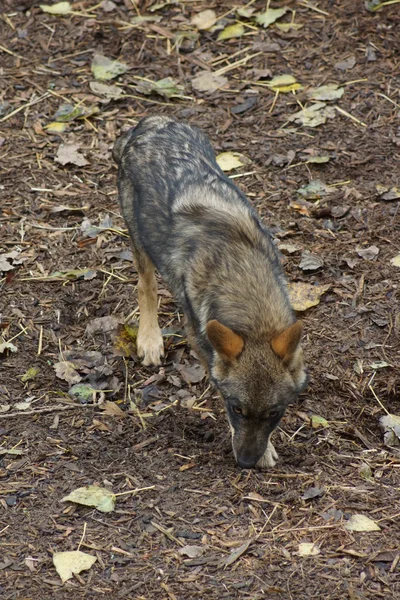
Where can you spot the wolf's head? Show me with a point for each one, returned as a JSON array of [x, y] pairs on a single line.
[[257, 378]]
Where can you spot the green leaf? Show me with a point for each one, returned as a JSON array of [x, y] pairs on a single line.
[[60, 8], [270, 16], [104, 68], [30, 374], [93, 495], [317, 422], [232, 31], [82, 392]]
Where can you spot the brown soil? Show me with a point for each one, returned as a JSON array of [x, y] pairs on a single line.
[[197, 495]]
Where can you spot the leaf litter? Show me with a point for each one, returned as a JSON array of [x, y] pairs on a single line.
[[93, 495], [71, 563]]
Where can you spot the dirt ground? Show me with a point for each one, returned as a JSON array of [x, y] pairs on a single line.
[[189, 523]]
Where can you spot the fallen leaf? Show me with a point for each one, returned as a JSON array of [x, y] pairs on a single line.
[[391, 429], [104, 68], [30, 374], [68, 563], [395, 261], [82, 392], [304, 295], [238, 109], [380, 364], [192, 373], [4, 408], [314, 115], [315, 190], [163, 87], [232, 31], [270, 16], [308, 549], [245, 11], [65, 370], [286, 27], [365, 471], [68, 154], [318, 160], [60, 8], [313, 492], [204, 19], [255, 496], [345, 65], [317, 422], [235, 554], [69, 112], [87, 274], [93, 495], [288, 248], [369, 253], [284, 84], [112, 92], [191, 551], [7, 346], [310, 262], [103, 324], [56, 127], [5, 264], [361, 523], [24, 405], [228, 161], [125, 340], [388, 194], [207, 81], [113, 410], [326, 92]]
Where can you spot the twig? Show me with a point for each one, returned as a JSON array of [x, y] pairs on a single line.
[[48, 409], [344, 112], [150, 487], [83, 535], [17, 110], [167, 533], [377, 399]]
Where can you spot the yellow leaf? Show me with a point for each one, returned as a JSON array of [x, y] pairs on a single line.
[[285, 27], [92, 495], [304, 295], [204, 19], [60, 8], [284, 84], [68, 563], [361, 523], [232, 31], [395, 261], [308, 549], [125, 340], [270, 16], [56, 127], [317, 422], [227, 161]]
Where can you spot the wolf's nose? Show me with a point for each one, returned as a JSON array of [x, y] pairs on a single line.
[[246, 463]]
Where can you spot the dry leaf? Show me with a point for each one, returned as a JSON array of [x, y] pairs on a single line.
[[227, 161], [207, 81], [68, 154], [314, 115], [68, 563], [270, 16], [65, 370], [112, 92], [191, 551], [326, 92], [369, 253], [235, 554], [395, 261], [361, 523], [310, 262], [60, 8], [391, 429], [304, 295], [93, 495], [103, 324], [232, 31], [125, 340], [104, 68], [113, 410], [204, 19], [308, 549], [191, 373]]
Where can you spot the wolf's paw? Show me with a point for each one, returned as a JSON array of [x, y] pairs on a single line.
[[150, 347], [269, 457]]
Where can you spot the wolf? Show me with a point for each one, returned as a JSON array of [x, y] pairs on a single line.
[[189, 221]]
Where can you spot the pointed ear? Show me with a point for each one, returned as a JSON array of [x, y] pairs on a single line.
[[284, 345], [225, 341]]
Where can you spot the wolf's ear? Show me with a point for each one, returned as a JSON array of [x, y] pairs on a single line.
[[284, 345], [225, 341]]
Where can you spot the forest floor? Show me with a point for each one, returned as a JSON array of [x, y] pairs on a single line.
[[189, 523]]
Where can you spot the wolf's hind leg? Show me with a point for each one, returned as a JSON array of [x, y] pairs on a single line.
[[150, 345]]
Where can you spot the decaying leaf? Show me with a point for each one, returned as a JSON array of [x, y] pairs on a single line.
[[207, 81], [82, 392], [30, 374], [74, 274], [231, 31], [5, 264], [326, 92], [284, 84], [317, 422], [69, 112], [395, 261], [60, 8], [103, 324], [315, 190], [313, 115], [345, 65], [68, 154], [304, 295], [125, 340], [192, 373], [288, 248], [104, 68], [163, 87], [391, 429], [228, 161], [388, 193], [308, 549], [68, 563], [113, 410], [270, 16], [204, 19], [310, 262], [285, 27], [369, 253], [313, 492], [7, 346], [111, 92], [65, 370], [361, 523], [93, 495], [192, 551]]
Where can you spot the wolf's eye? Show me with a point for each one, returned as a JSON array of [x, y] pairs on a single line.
[[237, 410], [274, 414]]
